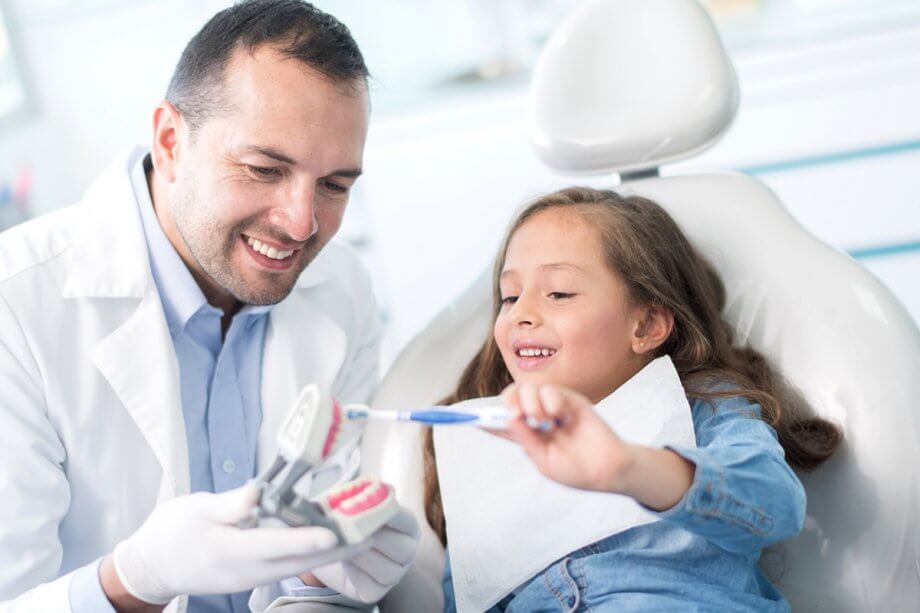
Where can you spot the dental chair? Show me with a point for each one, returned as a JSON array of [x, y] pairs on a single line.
[[624, 87]]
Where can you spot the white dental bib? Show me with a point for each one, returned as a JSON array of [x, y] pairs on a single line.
[[506, 522]]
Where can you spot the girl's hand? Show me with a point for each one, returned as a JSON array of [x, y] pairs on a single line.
[[580, 450]]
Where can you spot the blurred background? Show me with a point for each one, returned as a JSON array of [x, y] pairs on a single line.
[[829, 119]]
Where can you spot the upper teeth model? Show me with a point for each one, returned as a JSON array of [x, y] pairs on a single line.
[[267, 251]]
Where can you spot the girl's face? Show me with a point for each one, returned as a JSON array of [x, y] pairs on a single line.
[[565, 316]]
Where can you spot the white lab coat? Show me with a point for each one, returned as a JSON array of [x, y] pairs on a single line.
[[91, 430]]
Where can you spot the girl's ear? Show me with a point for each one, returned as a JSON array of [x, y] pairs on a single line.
[[652, 330]]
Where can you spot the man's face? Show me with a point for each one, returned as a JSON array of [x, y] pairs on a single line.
[[262, 185]]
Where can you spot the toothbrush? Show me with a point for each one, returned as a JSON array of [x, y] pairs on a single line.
[[491, 417]]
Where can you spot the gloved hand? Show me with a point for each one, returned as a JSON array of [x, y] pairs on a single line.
[[369, 575], [191, 545]]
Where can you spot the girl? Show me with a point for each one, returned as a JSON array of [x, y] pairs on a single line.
[[601, 285]]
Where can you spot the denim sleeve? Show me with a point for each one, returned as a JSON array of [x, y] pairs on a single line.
[[744, 495], [86, 595]]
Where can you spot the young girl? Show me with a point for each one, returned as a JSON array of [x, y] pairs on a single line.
[[600, 285]]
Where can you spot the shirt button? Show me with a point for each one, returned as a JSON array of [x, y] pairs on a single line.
[[229, 466]]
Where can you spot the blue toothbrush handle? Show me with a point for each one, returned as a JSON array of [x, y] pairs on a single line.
[[441, 417]]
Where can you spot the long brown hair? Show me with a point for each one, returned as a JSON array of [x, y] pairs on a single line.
[[660, 268]]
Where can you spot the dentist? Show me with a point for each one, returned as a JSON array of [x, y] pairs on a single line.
[[153, 335]]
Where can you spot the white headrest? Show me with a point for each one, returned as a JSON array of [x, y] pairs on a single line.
[[626, 85]]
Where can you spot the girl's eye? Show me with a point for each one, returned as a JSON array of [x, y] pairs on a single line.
[[265, 173], [560, 295], [335, 187], [509, 300]]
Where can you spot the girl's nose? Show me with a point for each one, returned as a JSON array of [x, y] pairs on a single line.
[[523, 314]]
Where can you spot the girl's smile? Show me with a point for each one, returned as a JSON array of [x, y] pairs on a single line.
[[532, 354]]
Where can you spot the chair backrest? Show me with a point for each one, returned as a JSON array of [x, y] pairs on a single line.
[[823, 321]]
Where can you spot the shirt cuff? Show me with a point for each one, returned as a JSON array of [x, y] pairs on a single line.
[[279, 594], [294, 587], [708, 498], [86, 595]]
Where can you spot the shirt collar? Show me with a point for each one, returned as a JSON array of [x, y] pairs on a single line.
[[180, 294]]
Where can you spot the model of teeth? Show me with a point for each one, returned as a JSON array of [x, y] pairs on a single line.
[[533, 353], [360, 507], [267, 251]]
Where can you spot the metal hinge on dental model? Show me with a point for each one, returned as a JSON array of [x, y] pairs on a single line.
[[353, 511]]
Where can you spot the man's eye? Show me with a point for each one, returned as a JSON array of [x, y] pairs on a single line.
[[560, 295], [265, 173], [335, 187], [509, 300]]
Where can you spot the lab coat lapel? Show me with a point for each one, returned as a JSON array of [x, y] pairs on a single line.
[[139, 361], [110, 261], [303, 345]]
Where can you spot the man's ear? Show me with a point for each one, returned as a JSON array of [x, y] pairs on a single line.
[[652, 330], [168, 125]]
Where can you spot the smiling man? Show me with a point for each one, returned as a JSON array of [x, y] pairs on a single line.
[[153, 336], [249, 197]]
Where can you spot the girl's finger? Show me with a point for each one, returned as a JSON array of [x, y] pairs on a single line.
[[530, 402], [531, 441], [553, 401], [499, 433], [562, 404]]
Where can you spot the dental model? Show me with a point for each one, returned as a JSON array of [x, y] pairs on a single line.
[[360, 507], [311, 429], [307, 437]]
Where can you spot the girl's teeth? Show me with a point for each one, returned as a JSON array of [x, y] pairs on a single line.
[[532, 353]]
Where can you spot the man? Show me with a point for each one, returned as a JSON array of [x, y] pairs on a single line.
[[153, 336]]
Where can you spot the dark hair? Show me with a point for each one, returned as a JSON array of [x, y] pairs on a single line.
[[645, 247], [296, 29]]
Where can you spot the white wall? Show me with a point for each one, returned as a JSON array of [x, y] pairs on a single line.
[[93, 76]]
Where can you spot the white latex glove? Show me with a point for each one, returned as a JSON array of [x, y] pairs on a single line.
[[367, 576], [191, 545]]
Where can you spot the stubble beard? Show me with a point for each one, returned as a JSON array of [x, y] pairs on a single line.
[[213, 248]]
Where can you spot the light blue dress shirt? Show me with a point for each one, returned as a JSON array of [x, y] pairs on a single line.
[[220, 381]]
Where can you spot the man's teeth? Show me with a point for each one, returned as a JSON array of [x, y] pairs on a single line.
[[532, 353], [268, 251]]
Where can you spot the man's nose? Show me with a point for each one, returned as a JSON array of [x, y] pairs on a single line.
[[297, 215]]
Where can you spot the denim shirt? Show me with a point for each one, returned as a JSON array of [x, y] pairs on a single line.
[[703, 555]]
